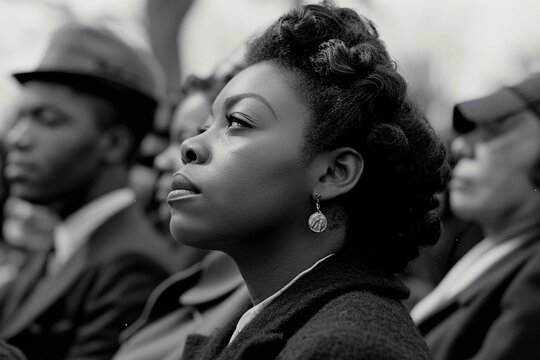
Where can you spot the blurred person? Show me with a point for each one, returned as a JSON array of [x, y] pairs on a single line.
[[486, 307], [26, 229], [78, 123], [188, 119], [203, 297], [27, 225], [425, 272], [318, 176]]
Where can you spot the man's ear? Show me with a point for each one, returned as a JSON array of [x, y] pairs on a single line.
[[116, 143], [338, 172]]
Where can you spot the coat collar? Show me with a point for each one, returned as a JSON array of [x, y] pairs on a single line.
[[339, 274], [498, 274]]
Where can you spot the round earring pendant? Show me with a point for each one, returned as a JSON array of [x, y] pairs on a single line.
[[317, 222]]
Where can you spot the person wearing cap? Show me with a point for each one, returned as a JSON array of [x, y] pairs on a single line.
[[79, 120], [487, 306]]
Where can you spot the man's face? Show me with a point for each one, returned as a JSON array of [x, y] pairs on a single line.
[[53, 147], [491, 180]]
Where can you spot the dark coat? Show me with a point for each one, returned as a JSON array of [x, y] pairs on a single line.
[[339, 310], [497, 317], [79, 312]]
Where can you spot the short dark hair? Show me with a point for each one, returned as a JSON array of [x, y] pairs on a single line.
[[358, 99]]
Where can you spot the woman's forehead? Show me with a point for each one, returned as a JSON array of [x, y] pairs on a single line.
[[267, 81]]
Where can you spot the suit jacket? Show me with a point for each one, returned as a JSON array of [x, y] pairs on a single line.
[[339, 310], [496, 317], [79, 312]]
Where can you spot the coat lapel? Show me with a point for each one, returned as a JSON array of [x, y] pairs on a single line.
[[498, 273], [490, 279], [19, 289], [48, 290]]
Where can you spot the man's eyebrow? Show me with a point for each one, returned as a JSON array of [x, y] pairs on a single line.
[[230, 101]]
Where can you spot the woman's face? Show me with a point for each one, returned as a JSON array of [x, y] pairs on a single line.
[[245, 177]]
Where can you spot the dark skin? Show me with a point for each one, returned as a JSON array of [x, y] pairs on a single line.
[[57, 154], [255, 185]]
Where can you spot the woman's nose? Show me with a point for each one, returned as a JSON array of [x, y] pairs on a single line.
[[194, 150]]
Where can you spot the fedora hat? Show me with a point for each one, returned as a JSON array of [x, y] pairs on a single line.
[[96, 60], [502, 103]]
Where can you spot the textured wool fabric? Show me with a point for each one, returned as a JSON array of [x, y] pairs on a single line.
[[340, 310]]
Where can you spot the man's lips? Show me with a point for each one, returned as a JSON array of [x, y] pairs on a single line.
[[459, 183], [17, 169]]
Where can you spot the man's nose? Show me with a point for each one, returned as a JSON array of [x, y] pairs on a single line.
[[462, 148], [19, 135]]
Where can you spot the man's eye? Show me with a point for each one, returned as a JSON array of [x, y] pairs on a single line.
[[48, 117]]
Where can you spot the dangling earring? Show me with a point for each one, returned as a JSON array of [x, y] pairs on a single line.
[[317, 221]]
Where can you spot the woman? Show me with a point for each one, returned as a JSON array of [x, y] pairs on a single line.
[[317, 176]]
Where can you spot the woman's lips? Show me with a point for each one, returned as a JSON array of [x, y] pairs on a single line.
[[176, 195], [181, 182], [182, 187]]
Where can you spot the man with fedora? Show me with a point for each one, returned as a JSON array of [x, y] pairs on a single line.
[[488, 305], [78, 123]]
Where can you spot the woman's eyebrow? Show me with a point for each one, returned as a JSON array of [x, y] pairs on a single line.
[[230, 101]]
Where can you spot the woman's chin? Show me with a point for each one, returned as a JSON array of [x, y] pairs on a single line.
[[188, 235]]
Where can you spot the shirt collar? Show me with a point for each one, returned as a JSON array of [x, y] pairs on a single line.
[[75, 230], [473, 265], [254, 311]]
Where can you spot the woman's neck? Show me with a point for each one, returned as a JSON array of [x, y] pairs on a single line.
[[271, 263]]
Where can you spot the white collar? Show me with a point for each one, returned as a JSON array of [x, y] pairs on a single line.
[[75, 230], [467, 270], [255, 310]]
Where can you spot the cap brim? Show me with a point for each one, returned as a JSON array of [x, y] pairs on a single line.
[[495, 106]]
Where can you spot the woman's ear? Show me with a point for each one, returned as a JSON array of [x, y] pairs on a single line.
[[116, 144], [338, 172]]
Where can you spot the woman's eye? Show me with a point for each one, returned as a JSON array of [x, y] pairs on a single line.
[[236, 120]]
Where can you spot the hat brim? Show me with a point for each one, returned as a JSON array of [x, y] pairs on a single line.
[[92, 84]]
